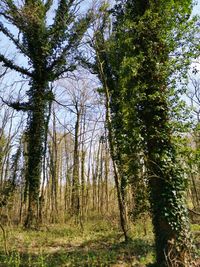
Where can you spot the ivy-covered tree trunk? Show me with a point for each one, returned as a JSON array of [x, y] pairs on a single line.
[[167, 185], [35, 138], [146, 33]]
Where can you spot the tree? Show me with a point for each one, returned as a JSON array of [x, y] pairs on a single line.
[[123, 141], [146, 35], [139, 65], [49, 49]]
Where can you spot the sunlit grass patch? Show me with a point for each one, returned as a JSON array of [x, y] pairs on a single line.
[[98, 243]]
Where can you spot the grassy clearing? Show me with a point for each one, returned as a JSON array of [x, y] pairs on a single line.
[[100, 243]]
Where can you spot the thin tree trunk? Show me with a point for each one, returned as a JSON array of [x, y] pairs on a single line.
[[106, 176], [95, 178], [89, 171], [121, 203], [42, 194], [75, 202]]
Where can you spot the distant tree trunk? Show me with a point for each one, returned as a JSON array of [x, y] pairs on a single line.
[[95, 174], [83, 154], [68, 177], [54, 171], [100, 178], [194, 192], [107, 159], [89, 171], [44, 167], [82, 159], [60, 180], [5, 149], [68, 187], [75, 202]]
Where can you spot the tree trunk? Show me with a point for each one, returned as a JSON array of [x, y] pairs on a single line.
[[106, 170], [44, 167], [54, 172], [36, 125], [120, 198], [75, 202], [166, 182]]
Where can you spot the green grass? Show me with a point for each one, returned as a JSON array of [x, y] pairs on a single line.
[[99, 244]]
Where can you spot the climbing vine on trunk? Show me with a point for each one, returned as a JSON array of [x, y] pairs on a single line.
[[146, 33]]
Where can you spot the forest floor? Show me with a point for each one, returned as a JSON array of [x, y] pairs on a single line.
[[100, 243]]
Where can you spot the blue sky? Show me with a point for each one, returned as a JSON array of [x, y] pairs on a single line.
[[197, 8]]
